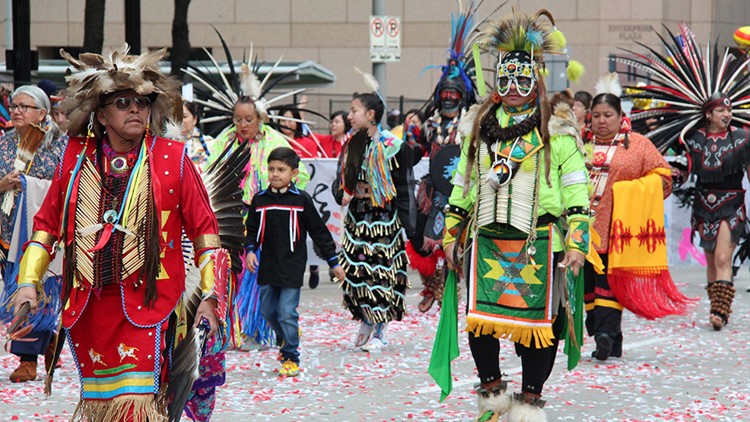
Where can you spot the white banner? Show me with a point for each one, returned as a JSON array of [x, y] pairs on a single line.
[[322, 173]]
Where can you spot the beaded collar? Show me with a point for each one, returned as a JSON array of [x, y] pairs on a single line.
[[491, 131]]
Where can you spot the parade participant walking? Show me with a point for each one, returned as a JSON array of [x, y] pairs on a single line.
[[377, 182], [618, 155], [516, 252], [243, 102], [197, 144], [278, 222], [35, 142], [708, 124], [582, 109], [720, 159], [119, 202], [452, 96]]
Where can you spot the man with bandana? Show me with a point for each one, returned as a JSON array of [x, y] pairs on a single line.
[[521, 174]]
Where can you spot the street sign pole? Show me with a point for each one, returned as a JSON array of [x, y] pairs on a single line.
[[379, 70]]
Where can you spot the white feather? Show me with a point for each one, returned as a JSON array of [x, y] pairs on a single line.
[[249, 83], [282, 96], [230, 92], [172, 129], [370, 82], [609, 84], [268, 75]]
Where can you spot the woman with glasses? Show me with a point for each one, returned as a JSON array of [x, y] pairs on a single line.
[[339, 127], [29, 112], [250, 126]]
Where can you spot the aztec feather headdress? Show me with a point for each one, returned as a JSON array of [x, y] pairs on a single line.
[[97, 75], [683, 83], [219, 94]]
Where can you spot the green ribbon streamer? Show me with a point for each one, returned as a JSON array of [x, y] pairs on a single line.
[[445, 348], [481, 87]]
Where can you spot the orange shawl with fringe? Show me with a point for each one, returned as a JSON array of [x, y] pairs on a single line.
[[638, 271]]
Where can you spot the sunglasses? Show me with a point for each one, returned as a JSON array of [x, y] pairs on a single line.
[[123, 103]]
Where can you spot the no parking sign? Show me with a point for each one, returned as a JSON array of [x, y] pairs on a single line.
[[385, 39]]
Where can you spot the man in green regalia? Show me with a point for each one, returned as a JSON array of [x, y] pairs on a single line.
[[521, 175]]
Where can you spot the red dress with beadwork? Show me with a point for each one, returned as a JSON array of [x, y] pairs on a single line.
[[100, 201]]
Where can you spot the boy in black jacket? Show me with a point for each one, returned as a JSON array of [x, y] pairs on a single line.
[[278, 222]]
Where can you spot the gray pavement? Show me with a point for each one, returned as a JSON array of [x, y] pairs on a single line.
[[674, 369]]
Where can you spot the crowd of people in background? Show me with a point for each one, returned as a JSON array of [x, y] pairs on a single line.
[[515, 177]]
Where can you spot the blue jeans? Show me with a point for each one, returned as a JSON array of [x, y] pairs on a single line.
[[279, 308]]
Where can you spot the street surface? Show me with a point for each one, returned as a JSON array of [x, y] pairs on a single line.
[[677, 369]]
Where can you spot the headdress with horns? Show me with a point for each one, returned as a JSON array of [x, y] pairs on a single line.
[[96, 76]]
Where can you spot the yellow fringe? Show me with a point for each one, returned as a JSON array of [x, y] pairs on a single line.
[[130, 407], [542, 336]]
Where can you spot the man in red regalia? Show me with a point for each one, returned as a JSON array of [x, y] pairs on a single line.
[[116, 208]]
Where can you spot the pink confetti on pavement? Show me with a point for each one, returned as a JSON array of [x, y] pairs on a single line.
[[676, 369]]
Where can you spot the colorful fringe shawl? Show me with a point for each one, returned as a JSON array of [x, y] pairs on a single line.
[[45, 318], [638, 272], [377, 166]]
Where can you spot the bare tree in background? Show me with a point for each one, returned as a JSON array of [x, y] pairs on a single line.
[[180, 37], [93, 29]]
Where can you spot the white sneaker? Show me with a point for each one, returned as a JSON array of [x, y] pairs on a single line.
[[364, 333], [374, 345]]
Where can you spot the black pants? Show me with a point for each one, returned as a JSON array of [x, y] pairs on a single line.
[[536, 363], [603, 311]]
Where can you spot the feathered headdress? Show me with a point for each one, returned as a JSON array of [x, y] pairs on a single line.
[[536, 35], [683, 81], [609, 84], [219, 95], [97, 75], [460, 70], [522, 40]]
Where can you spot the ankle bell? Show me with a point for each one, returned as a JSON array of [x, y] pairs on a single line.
[[528, 398], [498, 390]]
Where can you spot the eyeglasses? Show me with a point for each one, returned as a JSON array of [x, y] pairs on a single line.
[[238, 121], [123, 103], [23, 108]]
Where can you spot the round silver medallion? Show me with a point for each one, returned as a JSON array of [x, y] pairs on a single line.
[[119, 164]]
